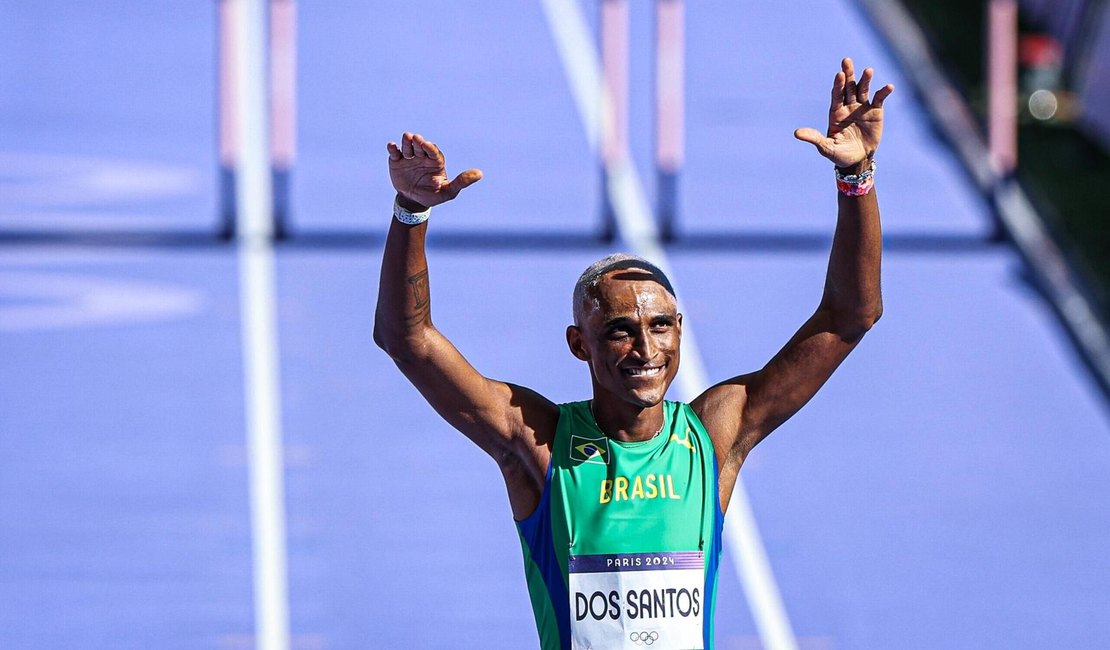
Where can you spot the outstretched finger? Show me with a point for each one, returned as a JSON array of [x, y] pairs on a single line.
[[431, 149], [864, 86], [814, 137], [418, 143], [837, 91], [881, 95], [463, 181], [849, 80], [394, 152], [406, 146]]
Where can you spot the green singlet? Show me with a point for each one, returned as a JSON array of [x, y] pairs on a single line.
[[622, 551]]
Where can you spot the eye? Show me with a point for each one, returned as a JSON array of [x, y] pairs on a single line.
[[618, 333], [661, 324]]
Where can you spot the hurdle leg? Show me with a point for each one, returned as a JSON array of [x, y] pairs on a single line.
[[228, 134], [614, 102], [669, 110], [283, 106], [1002, 84], [281, 89]]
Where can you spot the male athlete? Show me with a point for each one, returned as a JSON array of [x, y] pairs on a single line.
[[619, 500]]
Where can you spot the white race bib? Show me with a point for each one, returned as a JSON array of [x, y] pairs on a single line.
[[637, 600]]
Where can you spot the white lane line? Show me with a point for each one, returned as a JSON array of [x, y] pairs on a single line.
[[581, 65], [259, 331], [266, 466]]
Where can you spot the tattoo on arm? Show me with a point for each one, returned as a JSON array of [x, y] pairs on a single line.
[[421, 298]]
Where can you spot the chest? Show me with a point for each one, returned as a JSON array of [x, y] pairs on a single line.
[[613, 499]]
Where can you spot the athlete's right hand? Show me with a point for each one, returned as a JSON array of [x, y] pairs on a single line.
[[419, 173]]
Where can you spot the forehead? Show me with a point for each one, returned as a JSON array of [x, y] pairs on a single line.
[[631, 290]]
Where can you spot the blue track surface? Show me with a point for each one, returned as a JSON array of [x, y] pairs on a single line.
[[947, 489]]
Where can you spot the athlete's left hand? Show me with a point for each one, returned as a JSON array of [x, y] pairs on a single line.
[[419, 172], [855, 122]]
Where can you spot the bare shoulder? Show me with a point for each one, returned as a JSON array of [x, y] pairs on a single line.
[[721, 410], [535, 417]]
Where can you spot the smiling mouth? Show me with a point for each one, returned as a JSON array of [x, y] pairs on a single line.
[[644, 371]]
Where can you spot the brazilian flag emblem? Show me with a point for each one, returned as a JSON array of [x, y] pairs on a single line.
[[589, 450]]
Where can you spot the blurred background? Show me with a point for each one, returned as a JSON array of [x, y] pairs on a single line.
[[200, 446], [1064, 110]]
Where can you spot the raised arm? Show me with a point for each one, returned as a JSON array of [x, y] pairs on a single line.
[[742, 411], [512, 424]]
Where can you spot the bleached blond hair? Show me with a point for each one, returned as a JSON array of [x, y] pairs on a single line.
[[587, 282]]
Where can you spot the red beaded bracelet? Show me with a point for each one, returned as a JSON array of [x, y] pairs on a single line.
[[856, 184]]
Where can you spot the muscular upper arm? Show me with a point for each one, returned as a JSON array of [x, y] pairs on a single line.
[[742, 411], [508, 422]]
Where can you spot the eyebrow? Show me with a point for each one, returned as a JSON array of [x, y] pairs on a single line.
[[619, 320]]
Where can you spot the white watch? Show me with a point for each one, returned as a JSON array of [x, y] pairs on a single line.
[[410, 218]]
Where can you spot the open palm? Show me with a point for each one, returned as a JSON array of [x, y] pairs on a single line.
[[419, 172], [855, 122]]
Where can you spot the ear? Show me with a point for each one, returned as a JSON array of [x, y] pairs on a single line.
[[577, 343]]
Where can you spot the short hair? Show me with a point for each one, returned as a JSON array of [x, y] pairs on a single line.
[[615, 262]]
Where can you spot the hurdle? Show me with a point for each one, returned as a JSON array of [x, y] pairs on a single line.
[[281, 89], [1002, 85], [614, 103], [670, 107]]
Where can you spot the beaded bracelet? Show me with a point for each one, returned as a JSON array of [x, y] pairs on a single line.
[[410, 218], [856, 184]]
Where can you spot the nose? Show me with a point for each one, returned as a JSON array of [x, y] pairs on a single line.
[[645, 346]]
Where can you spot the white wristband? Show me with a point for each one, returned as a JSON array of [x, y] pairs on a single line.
[[410, 218]]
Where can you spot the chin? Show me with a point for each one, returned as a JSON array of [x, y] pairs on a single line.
[[650, 395], [646, 399]]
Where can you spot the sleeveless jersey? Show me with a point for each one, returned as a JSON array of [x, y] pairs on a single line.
[[622, 551]]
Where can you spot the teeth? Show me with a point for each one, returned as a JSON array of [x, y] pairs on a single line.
[[644, 372]]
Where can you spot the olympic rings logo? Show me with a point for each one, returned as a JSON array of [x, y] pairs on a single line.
[[644, 638]]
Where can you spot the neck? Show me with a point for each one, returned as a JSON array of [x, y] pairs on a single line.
[[627, 422]]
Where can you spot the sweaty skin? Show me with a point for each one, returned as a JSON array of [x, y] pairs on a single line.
[[629, 337]]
